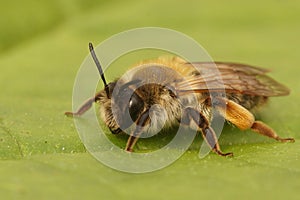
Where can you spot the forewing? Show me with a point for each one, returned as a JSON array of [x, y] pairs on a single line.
[[231, 77]]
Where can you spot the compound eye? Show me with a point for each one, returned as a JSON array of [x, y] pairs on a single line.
[[136, 106]]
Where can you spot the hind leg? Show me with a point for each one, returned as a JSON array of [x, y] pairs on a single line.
[[244, 120]]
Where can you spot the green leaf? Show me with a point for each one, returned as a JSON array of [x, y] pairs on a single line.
[[41, 48]]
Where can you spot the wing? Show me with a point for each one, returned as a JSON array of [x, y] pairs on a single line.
[[233, 77]]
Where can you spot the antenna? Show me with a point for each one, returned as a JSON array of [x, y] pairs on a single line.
[[99, 68]]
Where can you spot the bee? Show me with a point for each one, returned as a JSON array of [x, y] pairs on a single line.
[[181, 88]]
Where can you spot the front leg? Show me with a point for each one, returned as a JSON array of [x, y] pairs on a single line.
[[142, 121], [85, 106], [208, 134]]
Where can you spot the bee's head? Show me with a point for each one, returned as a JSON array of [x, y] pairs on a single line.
[[127, 104], [121, 108]]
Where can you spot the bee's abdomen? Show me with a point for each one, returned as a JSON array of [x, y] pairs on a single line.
[[249, 102]]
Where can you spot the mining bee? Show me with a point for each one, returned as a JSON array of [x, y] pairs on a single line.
[[181, 89]]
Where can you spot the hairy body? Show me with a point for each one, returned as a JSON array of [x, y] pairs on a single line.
[[164, 92]]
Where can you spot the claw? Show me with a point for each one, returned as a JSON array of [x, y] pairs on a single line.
[[71, 114], [292, 140], [230, 154]]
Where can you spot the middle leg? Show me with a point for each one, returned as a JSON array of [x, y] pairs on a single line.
[[209, 135]]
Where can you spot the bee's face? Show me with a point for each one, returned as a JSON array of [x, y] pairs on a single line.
[[125, 105]]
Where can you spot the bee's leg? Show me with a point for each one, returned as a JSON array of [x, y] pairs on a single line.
[[84, 107], [141, 122], [244, 119], [209, 135], [264, 129]]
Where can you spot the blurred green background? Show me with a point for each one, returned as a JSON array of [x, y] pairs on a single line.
[[42, 45]]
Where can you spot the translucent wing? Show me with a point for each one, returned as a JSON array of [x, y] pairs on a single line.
[[233, 77]]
